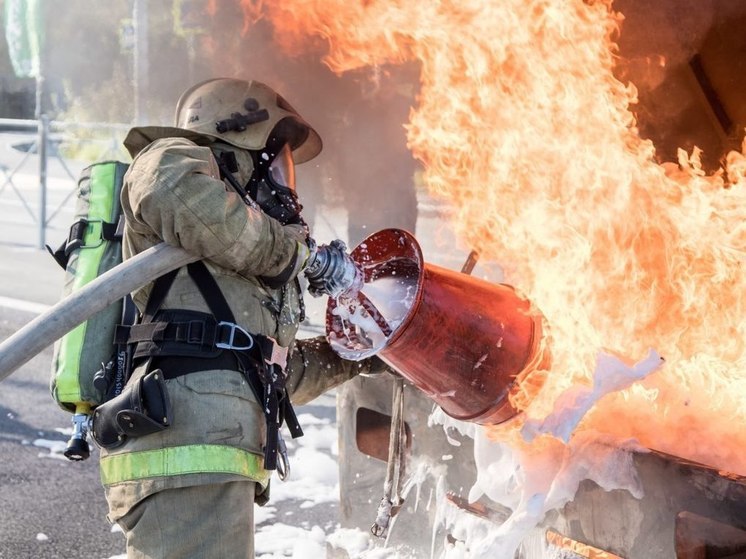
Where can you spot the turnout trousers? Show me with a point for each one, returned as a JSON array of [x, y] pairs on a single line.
[[214, 521]]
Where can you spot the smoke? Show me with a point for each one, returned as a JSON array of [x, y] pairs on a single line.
[[96, 70], [360, 115]]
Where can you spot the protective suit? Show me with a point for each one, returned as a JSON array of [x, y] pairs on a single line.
[[188, 490]]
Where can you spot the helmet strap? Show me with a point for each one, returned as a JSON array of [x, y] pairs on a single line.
[[227, 162], [228, 165]]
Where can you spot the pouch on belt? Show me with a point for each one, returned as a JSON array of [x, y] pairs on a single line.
[[142, 408]]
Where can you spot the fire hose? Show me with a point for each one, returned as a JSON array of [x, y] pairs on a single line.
[[330, 271], [94, 297]]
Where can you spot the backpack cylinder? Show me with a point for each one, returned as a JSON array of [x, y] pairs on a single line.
[[90, 250]]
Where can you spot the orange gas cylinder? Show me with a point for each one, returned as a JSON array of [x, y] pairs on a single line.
[[463, 341]]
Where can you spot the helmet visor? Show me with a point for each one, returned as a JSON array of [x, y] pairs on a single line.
[[282, 169]]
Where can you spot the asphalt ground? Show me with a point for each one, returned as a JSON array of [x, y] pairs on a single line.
[[49, 507]]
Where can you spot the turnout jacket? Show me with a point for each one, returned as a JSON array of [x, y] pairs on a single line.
[[173, 192]]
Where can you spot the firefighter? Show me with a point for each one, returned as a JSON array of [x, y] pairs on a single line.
[[215, 354]]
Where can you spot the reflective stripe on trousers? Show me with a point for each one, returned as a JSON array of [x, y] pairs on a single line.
[[179, 460]]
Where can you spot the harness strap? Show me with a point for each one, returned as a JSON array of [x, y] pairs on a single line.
[[76, 236], [210, 290], [268, 386], [176, 332], [158, 295], [175, 366], [180, 342]]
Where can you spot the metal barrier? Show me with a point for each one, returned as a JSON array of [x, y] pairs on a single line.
[[84, 143]]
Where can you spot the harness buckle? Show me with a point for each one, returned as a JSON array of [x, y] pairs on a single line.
[[279, 355], [233, 327]]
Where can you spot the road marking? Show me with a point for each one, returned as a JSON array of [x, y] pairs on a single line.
[[20, 305]]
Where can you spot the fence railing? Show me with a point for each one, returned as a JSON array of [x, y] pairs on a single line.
[[43, 146]]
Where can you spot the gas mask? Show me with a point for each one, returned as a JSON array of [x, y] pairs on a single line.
[[271, 185]]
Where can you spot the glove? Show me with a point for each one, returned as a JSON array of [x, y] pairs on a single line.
[[298, 231], [330, 270], [297, 261]]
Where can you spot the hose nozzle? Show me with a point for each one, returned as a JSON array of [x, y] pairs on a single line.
[[331, 271]]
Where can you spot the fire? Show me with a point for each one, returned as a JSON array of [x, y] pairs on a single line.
[[523, 128]]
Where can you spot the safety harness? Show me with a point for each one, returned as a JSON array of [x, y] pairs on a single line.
[[180, 342]]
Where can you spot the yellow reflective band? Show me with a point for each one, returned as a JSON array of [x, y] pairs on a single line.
[[180, 460]]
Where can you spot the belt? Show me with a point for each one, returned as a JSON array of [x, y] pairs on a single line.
[[182, 333], [173, 367]]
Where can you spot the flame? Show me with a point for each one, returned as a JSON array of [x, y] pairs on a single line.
[[523, 128]]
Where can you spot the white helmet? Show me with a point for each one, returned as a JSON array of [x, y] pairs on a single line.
[[245, 114]]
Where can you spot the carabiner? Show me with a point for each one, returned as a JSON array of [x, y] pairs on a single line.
[[283, 462], [229, 344]]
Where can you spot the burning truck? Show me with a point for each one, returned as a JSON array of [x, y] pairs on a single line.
[[594, 149]]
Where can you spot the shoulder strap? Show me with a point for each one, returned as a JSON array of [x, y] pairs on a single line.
[[206, 284], [210, 291], [161, 287]]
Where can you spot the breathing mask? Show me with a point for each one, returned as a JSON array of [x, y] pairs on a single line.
[[272, 185], [271, 180]]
